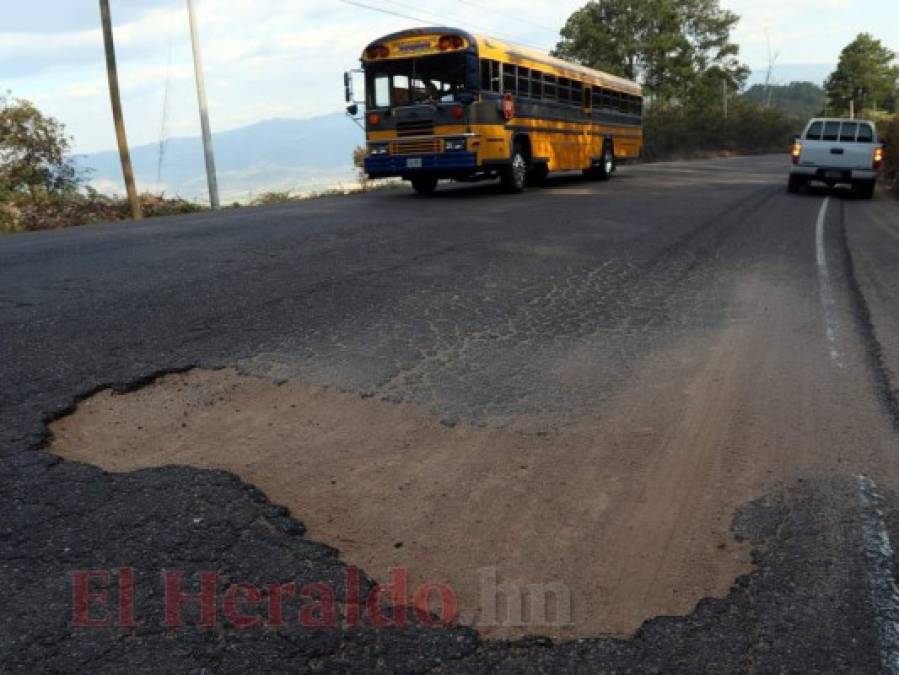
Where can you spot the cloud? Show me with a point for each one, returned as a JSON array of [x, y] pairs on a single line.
[[267, 58]]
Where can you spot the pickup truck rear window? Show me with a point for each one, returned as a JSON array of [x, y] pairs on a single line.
[[865, 134], [848, 131], [831, 131], [814, 131]]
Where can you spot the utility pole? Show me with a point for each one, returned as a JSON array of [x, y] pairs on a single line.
[[204, 108], [724, 92], [118, 119], [772, 59]]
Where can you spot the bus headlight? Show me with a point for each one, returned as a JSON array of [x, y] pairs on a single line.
[[456, 144], [377, 149]]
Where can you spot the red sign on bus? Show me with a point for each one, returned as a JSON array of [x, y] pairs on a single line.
[[508, 106]]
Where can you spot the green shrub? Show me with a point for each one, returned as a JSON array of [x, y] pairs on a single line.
[[685, 133], [891, 156], [71, 210], [10, 218], [271, 198]]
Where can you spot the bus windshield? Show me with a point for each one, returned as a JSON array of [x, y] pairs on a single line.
[[429, 79]]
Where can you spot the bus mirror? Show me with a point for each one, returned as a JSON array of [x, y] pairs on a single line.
[[466, 98], [794, 138], [348, 86], [352, 110]]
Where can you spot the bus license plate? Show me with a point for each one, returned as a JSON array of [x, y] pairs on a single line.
[[833, 174], [413, 163]]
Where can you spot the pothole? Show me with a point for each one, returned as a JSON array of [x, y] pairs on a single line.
[[485, 511]]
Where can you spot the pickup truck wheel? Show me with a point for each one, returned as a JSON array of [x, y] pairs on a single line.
[[795, 184], [865, 189], [424, 185]]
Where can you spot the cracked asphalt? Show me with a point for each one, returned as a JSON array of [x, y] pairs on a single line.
[[678, 309]]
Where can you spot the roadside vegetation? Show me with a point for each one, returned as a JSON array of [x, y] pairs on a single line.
[[891, 158], [40, 186]]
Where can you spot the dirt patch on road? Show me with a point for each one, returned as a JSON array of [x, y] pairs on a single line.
[[391, 486]]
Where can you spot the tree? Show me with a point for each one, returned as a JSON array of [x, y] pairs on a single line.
[[865, 76], [34, 150], [678, 49]]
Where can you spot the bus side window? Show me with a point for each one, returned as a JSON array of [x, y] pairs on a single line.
[[564, 90], [549, 88], [524, 81], [490, 75], [536, 84], [577, 93], [509, 78], [588, 98]]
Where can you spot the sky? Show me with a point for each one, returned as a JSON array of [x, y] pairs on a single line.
[[285, 58]]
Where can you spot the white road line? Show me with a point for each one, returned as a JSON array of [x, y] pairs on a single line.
[[825, 288], [884, 592]]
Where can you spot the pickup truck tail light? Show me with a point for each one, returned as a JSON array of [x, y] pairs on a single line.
[[796, 152], [878, 157]]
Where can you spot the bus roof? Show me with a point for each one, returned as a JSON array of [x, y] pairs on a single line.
[[494, 48], [500, 50]]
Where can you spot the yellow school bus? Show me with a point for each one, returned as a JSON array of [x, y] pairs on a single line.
[[441, 103]]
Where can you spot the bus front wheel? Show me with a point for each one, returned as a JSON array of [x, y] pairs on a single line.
[[424, 185], [514, 176]]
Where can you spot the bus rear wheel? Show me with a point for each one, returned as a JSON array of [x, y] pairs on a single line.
[[606, 166], [424, 185]]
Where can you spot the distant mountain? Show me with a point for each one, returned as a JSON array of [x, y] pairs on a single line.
[[793, 72], [797, 99], [279, 154]]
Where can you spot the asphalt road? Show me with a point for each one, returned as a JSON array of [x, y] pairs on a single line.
[[672, 394]]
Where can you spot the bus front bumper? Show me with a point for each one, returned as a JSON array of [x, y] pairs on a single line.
[[441, 164]]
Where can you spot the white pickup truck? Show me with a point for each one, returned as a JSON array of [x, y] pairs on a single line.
[[837, 151]]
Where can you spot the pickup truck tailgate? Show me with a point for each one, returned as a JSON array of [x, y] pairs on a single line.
[[841, 155]]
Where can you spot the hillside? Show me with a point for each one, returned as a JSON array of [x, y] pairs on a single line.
[[797, 99], [276, 154]]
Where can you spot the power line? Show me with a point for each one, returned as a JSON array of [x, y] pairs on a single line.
[[425, 21], [382, 10], [163, 132], [500, 13], [439, 19]]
